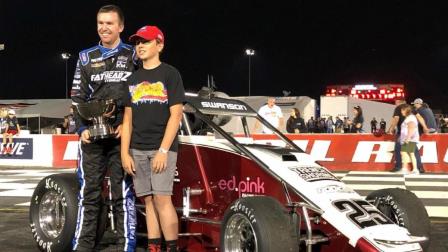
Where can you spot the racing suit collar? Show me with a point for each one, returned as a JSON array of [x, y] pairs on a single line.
[[108, 52]]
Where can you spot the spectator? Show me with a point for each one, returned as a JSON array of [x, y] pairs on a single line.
[[69, 124], [397, 120], [346, 125], [409, 138], [423, 112], [338, 125], [443, 126], [373, 125], [320, 127], [329, 124], [3, 115], [295, 123], [358, 120], [271, 113], [12, 129], [311, 125], [383, 125]]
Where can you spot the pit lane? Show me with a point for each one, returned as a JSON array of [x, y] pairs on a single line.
[[15, 234]]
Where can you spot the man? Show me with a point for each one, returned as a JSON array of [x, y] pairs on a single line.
[[271, 113], [156, 89], [373, 125], [338, 125], [424, 113], [383, 125], [395, 128], [311, 125], [12, 129], [69, 124], [101, 74]]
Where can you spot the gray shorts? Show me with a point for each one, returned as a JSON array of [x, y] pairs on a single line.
[[146, 182]]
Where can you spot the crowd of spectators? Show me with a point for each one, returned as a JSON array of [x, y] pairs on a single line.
[[427, 122]]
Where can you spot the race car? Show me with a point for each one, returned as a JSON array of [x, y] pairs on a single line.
[[234, 193]]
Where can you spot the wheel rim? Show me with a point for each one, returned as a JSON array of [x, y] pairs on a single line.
[[239, 235], [51, 214]]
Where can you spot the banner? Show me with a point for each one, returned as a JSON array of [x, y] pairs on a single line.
[[356, 152], [366, 152], [29, 150], [65, 151]]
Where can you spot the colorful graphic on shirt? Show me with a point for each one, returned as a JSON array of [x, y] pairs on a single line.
[[146, 92]]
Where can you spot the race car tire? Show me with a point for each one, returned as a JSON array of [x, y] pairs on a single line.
[[258, 224], [53, 212], [405, 209]]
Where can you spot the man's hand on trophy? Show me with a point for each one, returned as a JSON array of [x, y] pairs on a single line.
[[118, 131], [128, 164], [85, 136]]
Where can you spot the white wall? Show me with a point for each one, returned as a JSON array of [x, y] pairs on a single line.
[[343, 106]]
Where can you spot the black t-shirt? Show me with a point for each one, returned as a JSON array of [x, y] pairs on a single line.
[[12, 123], [295, 123], [151, 93], [397, 112], [356, 120]]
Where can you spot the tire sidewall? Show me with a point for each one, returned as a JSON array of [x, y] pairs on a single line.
[[66, 189], [409, 211], [261, 218]]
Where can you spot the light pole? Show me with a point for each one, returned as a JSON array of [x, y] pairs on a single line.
[[66, 56], [250, 53]]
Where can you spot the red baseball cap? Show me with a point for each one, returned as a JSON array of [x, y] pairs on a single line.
[[148, 32]]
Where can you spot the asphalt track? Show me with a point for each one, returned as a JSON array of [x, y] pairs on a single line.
[[15, 234]]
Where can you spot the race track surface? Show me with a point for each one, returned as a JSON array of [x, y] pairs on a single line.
[[17, 185]]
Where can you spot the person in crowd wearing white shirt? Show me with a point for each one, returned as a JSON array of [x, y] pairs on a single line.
[[409, 138], [271, 113]]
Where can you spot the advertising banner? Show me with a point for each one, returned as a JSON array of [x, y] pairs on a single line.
[[65, 151], [28, 150], [366, 152]]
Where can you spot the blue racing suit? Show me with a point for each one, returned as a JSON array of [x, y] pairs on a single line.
[[101, 73]]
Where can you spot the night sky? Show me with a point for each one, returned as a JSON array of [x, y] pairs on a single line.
[[301, 46]]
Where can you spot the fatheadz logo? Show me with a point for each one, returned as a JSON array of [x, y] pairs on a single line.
[[22, 148]]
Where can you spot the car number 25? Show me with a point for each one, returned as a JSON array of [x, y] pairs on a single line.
[[362, 213]]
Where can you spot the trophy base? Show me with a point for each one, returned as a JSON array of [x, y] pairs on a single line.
[[103, 131]]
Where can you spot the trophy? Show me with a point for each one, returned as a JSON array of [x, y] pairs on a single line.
[[98, 113]]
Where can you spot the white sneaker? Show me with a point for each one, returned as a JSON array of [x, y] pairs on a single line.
[[415, 172], [404, 171]]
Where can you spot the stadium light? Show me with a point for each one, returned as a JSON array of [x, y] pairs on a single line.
[[2, 47], [250, 53], [66, 56]]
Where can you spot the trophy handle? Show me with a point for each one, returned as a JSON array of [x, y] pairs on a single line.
[[110, 113]]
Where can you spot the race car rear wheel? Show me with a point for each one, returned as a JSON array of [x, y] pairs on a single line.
[[405, 209], [257, 224], [53, 212]]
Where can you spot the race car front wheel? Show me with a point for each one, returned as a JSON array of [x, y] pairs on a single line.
[[257, 224], [405, 209], [53, 212]]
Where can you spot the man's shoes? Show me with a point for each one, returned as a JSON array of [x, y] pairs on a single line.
[[395, 169], [421, 171]]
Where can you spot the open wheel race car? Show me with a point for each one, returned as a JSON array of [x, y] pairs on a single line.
[[234, 193]]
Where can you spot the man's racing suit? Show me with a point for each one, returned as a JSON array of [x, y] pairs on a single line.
[[101, 74]]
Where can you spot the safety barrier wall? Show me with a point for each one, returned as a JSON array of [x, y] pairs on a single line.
[[366, 152], [361, 152]]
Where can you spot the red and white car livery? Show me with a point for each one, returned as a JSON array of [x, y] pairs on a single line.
[[234, 193]]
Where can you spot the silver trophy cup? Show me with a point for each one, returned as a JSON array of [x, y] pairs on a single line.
[[97, 112]]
